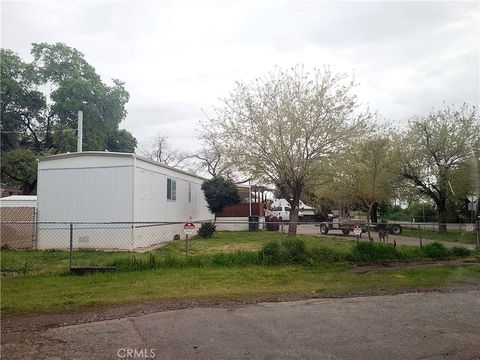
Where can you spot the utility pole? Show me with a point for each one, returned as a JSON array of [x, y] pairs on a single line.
[[80, 131]]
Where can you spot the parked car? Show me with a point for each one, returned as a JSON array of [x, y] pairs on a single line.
[[283, 212]]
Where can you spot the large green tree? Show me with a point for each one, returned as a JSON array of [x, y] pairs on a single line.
[[366, 173], [39, 105], [437, 150], [285, 128]]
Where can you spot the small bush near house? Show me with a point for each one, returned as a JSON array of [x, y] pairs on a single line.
[[369, 251], [207, 230], [435, 250]]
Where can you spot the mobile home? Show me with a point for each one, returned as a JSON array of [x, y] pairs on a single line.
[[114, 200]]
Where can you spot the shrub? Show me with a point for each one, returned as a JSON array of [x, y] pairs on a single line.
[[207, 229], [296, 251], [369, 251], [435, 250], [289, 251], [326, 254], [461, 252], [270, 253]]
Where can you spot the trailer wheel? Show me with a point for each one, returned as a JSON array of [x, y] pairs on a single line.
[[346, 231], [396, 229], [323, 229]]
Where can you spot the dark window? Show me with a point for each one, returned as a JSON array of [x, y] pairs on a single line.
[[171, 190]]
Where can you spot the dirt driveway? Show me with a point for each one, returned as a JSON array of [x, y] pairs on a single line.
[[435, 325], [308, 229]]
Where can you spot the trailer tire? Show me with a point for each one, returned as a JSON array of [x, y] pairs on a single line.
[[346, 231], [396, 229]]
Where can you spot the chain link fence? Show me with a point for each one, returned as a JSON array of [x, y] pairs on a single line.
[[18, 227], [100, 244]]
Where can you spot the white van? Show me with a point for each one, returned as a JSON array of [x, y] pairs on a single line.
[[281, 209]]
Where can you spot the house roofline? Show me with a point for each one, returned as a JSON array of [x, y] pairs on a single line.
[[116, 154]]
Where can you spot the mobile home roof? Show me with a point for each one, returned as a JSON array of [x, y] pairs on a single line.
[[115, 154]]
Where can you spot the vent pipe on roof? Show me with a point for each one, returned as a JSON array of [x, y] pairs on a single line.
[[80, 131]]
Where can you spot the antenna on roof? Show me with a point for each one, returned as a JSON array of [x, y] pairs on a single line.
[[80, 131]]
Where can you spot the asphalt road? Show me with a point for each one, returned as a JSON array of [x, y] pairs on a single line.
[[406, 326]]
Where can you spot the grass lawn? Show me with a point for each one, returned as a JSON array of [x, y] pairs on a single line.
[[225, 266], [453, 235], [50, 293], [231, 241], [21, 262]]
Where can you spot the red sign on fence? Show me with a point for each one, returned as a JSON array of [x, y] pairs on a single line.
[[188, 228], [357, 229]]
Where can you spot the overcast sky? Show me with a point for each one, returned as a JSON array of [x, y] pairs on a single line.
[[179, 57]]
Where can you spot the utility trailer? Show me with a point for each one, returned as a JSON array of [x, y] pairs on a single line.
[[346, 226]]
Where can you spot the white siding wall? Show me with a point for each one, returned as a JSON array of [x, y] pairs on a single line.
[[86, 188], [151, 203], [85, 194]]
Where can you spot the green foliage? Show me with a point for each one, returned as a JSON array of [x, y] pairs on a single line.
[[207, 230], [219, 193], [19, 167], [295, 251], [285, 128], [137, 263], [237, 258], [416, 210], [437, 155], [371, 252], [461, 251], [121, 141], [225, 249], [326, 254], [270, 253], [435, 250], [46, 122], [289, 251]]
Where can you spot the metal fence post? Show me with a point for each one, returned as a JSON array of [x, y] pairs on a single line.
[[34, 229], [420, 236], [71, 245], [478, 233], [186, 246]]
